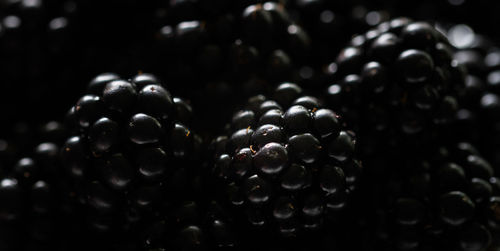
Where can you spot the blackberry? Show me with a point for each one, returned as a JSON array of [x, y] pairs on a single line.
[[131, 154], [287, 164], [34, 214], [398, 82], [445, 200]]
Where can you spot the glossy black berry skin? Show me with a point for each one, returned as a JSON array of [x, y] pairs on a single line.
[[155, 100], [97, 84], [144, 129], [285, 162], [119, 95], [88, 109], [145, 79], [456, 208], [416, 66], [103, 134]]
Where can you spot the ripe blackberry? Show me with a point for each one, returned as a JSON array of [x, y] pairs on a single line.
[[447, 200], [33, 213], [131, 153], [287, 164], [398, 82]]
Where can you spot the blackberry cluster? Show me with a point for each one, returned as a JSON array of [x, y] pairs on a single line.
[[131, 155], [397, 83], [33, 214], [287, 164], [448, 200]]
